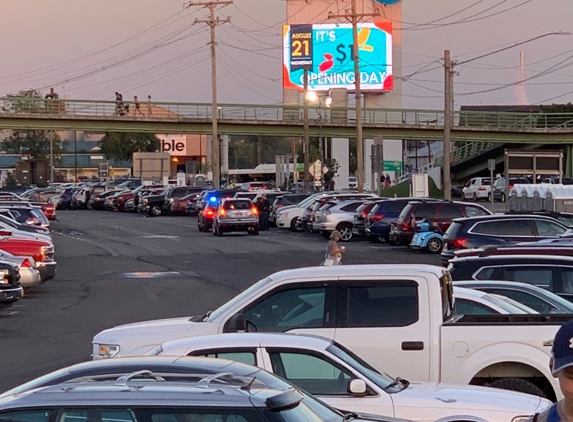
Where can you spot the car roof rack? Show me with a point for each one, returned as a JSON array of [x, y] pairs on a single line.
[[204, 383]]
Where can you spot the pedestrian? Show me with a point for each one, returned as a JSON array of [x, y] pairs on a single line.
[[149, 107], [259, 205], [119, 110], [137, 106], [333, 251], [561, 366], [387, 181], [266, 206]]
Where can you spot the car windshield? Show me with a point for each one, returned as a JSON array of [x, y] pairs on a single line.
[[306, 202], [226, 307], [381, 379]]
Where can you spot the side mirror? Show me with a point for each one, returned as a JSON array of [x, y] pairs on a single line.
[[237, 324], [357, 387]]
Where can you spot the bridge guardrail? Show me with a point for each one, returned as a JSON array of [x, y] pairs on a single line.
[[55, 108]]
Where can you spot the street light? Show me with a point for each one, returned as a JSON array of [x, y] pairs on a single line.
[[449, 66], [327, 104]]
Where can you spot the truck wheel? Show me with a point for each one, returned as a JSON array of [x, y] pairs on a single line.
[[155, 210], [435, 245], [517, 384]]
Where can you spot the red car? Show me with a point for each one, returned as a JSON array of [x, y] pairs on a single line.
[[180, 206]]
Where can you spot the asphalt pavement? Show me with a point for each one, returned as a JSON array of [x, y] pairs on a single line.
[[116, 268]]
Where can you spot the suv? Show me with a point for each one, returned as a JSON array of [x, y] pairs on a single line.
[[10, 289], [381, 217], [437, 212], [499, 229], [282, 201], [499, 188], [554, 273], [477, 188], [161, 204], [235, 215], [336, 215], [148, 396]]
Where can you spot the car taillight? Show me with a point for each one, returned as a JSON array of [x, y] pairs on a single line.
[[255, 211], [210, 213], [32, 221], [377, 217], [26, 264], [364, 213], [482, 188], [222, 212], [457, 243], [406, 226], [510, 187]]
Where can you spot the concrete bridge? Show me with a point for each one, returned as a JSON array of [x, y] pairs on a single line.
[[281, 120]]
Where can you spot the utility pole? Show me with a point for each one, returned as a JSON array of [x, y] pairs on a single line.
[[306, 134], [212, 22], [448, 108], [353, 17], [51, 158]]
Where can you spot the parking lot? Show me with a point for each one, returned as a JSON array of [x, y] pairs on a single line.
[[116, 268]]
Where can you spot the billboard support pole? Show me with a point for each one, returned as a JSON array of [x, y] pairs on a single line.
[[212, 22], [353, 17], [448, 99], [306, 133]]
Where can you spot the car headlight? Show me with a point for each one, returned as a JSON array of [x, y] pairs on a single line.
[[108, 350], [284, 215], [171, 200], [4, 279]]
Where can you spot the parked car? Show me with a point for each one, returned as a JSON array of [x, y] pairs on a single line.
[[287, 217], [145, 395], [333, 374], [456, 190], [497, 229], [554, 273], [157, 205], [236, 215], [29, 276], [499, 187], [336, 215], [352, 182], [306, 221], [565, 218], [410, 306], [213, 196], [98, 200], [476, 302], [10, 289], [181, 206], [189, 368], [477, 188], [31, 216], [438, 213], [360, 218], [282, 201], [66, 198], [542, 300], [381, 217], [41, 250], [555, 180], [254, 186]]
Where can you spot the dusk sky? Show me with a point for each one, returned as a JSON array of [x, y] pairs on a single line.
[[90, 49]]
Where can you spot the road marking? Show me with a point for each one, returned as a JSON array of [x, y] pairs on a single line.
[[159, 236], [160, 274]]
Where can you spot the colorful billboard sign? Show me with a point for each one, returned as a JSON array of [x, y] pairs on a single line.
[[326, 50]]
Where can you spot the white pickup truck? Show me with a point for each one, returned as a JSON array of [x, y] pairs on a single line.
[[397, 317]]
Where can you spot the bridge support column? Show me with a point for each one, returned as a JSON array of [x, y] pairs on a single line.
[[568, 161], [339, 152], [369, 184], [225, 154]]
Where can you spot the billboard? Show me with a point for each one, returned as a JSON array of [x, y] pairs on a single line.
[[326, 50]]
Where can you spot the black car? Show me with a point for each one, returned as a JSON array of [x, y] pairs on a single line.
[[361, 217], [554, 273], [565, 218], [205, 217], [161, 204], [10, 289], [498, 229]]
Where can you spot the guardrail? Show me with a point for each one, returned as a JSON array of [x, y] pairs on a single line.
[[60, 108]]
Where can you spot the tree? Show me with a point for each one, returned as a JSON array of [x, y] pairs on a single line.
[[121, 146], [30, 101], [34, 144]]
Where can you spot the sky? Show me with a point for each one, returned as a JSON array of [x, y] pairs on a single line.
[[90, 49]]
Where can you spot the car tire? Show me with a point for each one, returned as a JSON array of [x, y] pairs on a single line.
[[155, 211], [256, 232], [475, 197], [205, 228], [517, 384], [345, 230], [218, 232], [293, 224], [435, 245]]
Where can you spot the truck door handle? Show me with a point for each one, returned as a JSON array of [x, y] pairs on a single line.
[[412, 345]]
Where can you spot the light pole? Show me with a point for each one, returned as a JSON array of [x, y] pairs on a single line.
[[327, 104], [449, 67]]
